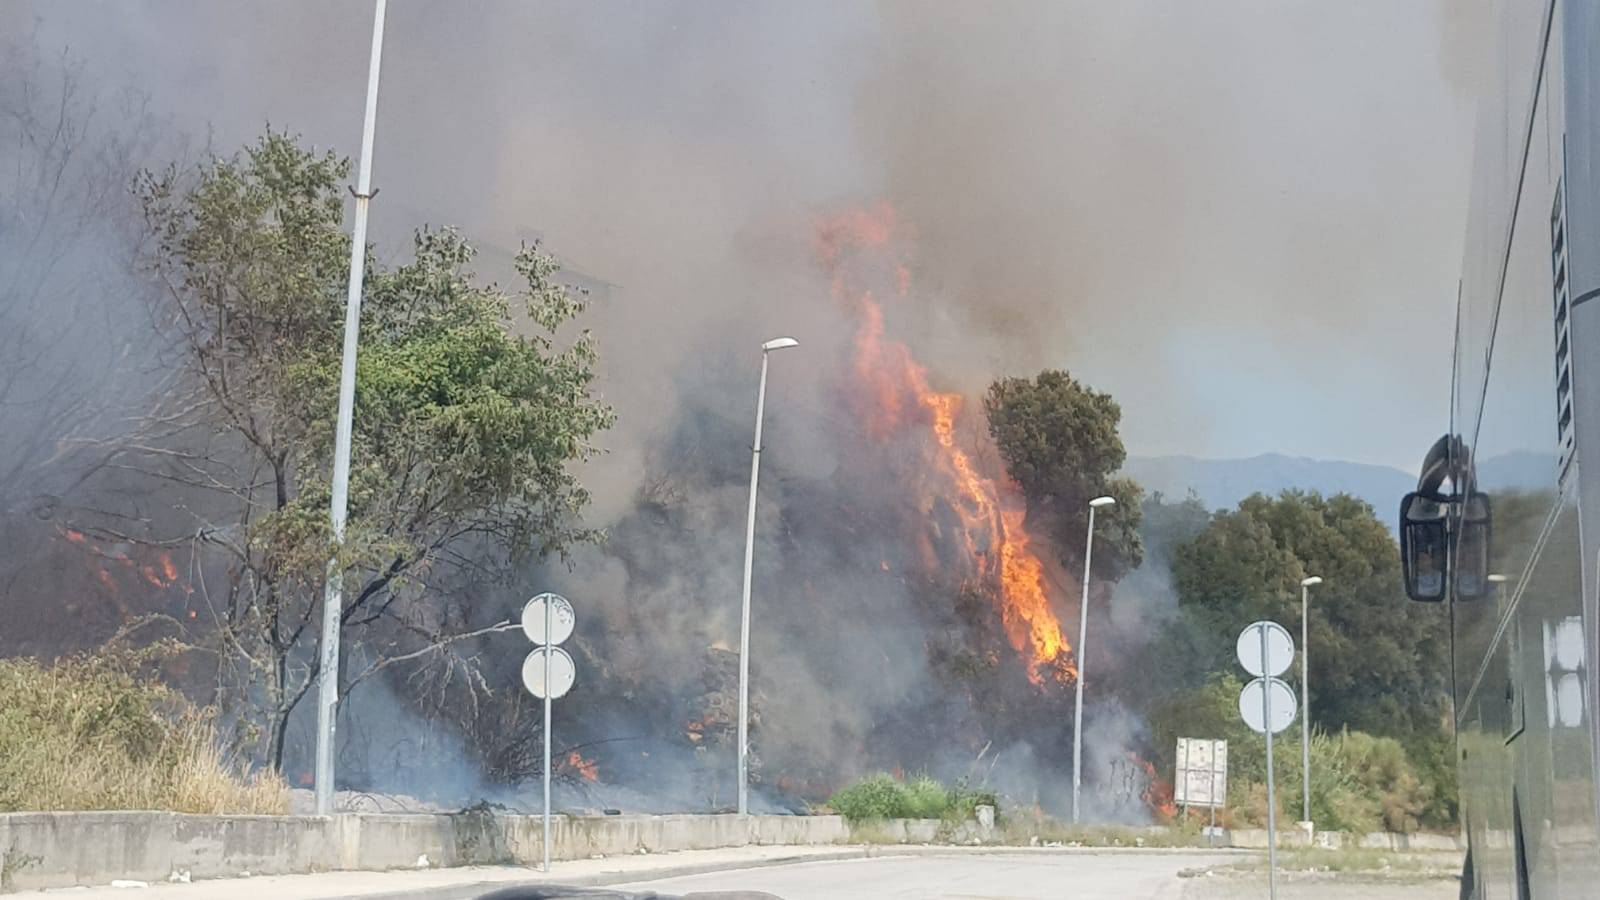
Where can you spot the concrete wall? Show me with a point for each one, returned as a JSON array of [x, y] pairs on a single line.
[[39, 850]]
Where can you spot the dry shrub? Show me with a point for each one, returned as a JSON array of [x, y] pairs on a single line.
[[88, 733]]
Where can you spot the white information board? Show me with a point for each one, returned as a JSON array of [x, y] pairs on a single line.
[[1202, 776]]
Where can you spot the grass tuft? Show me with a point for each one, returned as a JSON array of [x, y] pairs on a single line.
[[88, 734]]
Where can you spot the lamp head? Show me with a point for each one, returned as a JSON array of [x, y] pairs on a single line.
[[1098, 502], [779, 344], [1308, 582]]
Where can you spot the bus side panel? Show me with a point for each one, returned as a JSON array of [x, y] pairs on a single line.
[[1570, 639], [1581, 92]]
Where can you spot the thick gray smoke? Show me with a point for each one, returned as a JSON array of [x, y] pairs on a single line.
[[1168, 199]]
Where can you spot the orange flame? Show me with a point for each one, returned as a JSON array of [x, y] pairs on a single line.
[[1157, 792], [895, 395], [161, 574], [587, 769]]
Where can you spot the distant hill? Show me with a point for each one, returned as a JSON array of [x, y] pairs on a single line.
[[1222, 483]]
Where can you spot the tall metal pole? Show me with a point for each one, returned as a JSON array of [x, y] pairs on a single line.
[[549, 651], [744, 615], [1077, 711], [333, 600], [1272, 796], [749, 555], [1305, 705]]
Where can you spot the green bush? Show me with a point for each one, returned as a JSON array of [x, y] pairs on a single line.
[[87, 733], [878, 797], [883, 796], [1359, 782], [926, 798], [964, 802]]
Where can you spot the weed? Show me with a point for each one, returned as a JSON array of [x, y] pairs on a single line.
[[88, 733]]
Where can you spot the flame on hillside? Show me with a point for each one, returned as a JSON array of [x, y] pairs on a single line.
[[587, 769], [896, 398], [124, 568]]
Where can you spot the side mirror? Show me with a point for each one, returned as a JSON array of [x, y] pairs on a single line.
[[1472, 549], [1424, 545]]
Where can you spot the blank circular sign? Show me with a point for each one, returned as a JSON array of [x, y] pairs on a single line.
[[562, 672], [1283, 704], [1280, 649], [562, 618]]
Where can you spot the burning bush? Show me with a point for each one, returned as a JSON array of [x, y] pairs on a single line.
[[87, 733]]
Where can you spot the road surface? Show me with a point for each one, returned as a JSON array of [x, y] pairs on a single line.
[[1124, 875], [989, 876]]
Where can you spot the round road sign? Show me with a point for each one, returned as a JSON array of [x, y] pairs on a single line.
[[562, 672], [1280, 649], [562, 618], [1283, 704]]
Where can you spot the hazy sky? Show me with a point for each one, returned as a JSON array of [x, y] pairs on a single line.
[[1244, 219]]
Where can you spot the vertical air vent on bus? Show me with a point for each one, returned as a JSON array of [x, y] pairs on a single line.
[[1558, 265]]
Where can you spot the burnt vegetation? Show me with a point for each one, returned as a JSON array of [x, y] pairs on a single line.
[[168, 350]]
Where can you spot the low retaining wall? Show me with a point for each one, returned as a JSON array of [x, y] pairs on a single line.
[[39, 850], [42, 850], [1256, 839]]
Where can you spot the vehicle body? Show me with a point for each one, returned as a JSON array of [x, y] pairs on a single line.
[[1508, 503]]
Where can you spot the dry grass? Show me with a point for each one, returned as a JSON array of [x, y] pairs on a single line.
[[87, 734]]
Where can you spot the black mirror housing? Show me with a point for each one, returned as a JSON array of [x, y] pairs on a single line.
[[1424, 546]]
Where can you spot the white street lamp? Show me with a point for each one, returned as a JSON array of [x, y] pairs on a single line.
[[749, 552], [333, 598], [1083, 628], [1305, 698]]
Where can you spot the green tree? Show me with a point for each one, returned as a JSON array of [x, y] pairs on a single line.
[[1165, 525], [1378, 662], [468, 421], [1059, 442]]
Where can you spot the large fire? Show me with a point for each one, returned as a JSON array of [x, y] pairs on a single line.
[[897, 398]]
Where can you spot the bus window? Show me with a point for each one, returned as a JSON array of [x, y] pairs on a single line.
[[1423, 546]]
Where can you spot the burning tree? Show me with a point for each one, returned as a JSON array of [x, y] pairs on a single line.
[[1060, 445], [464, 428]]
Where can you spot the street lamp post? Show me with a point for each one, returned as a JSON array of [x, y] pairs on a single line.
[[1305, 697], [749, 553], [1083, 628], [333, 598]]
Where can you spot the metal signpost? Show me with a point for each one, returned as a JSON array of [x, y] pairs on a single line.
[[548, 672], [1268, 706]]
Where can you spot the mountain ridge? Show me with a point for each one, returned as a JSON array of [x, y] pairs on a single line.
[[1222, 483]]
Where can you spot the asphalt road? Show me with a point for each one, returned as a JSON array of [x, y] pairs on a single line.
[[996, 876]]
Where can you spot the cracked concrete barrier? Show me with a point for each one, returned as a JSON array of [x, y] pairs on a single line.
[[40, 850]]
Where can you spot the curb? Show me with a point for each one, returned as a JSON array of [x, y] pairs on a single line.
[[1004, 850], [474, 889], [469, 890]]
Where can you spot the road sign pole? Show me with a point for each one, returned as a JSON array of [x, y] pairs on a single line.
[[1211, 830], [549, 651], [1272, 798], [548, 620]]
